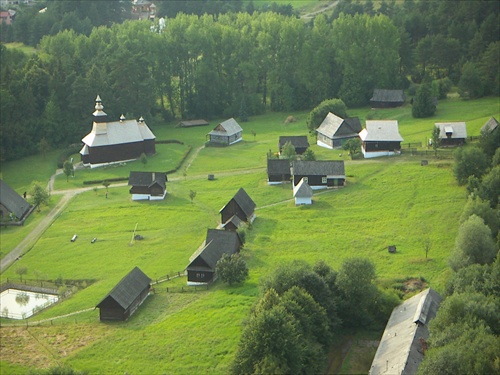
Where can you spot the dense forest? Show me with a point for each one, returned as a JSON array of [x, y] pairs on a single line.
[[229, 60]]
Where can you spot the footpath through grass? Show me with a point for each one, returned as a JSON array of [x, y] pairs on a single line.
[[387, 201]]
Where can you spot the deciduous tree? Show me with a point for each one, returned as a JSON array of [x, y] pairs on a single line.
[[232, 269], [39, 195]]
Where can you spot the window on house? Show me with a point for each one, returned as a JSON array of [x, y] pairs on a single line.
[[323, 180], [306, 179]]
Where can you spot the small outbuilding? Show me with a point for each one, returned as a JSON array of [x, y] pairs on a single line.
[[490, 126], [404, 341], [452, 133], [192, 123], [387, 98], [240, 205], [334, 131], [278, 171], [202, 264], [226, 133], [302, 193], [380, 138], [147, 185], [299, 142], [13, 207], [126, 297], [319, 174]]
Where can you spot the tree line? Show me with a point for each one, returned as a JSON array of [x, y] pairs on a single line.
[[224, 64], [465, 334]]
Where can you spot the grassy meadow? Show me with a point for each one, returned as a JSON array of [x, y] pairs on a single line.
[[387, 201]]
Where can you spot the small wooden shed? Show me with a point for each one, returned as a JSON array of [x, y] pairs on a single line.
[[12, 205], [278, 171], [226, 133], [387, 98], [122, 302], [147, 185], [302, 193], [299, 142]]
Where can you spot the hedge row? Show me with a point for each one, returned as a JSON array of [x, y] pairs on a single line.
[[186, 154], [166, 141]]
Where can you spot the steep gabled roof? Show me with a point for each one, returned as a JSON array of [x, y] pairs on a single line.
[[302, 190], [334, 126], [458, 130], [129, 288], [388, 96], [296, 141], [319, 168], [400, 350], [13, 201], [147, 179], [278, 166], [227, 128], [216, 243], [490, 125], [381, 130], [244, 201]]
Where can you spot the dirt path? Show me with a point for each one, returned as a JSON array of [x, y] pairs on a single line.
[[324, 9]]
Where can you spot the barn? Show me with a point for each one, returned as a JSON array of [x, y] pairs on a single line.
[[240, 205], [387, 98], [404, 341], [334, 131], [319, 174], [380, 138], [452, 133], [12, 206], [115, 141], [226, 133], [299, 142], [278, 171], [147, 185], [201, 269], [122, 302], [192, 123], [490, 126]]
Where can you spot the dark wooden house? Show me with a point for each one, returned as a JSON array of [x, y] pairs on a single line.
[[234, 223], [380, 138], [403, 343], [147, 185], [319, 174], [334, 131], [278, 171], [12, 206], [202, 264], [452, 133], [121, 303], [226, 133], [240, 205], [299, 142], [115, 141], [387, 98]]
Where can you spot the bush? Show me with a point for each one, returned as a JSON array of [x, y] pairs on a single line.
[[318, 114]]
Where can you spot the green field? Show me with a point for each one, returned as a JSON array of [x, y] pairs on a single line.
[[387, 201]]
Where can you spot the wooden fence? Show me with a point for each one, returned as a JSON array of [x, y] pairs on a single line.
[[439, 154]]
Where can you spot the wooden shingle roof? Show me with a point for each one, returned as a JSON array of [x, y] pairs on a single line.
[[13, 201], [278, 166], [244, 201], [334, 126], [129, 288], [302, 190], [381, 130], [216, 244], [227, 128], [400, 349], [490, 125], [458, 130], [319, 168], [296, 141], [147, 179], [388, 96]]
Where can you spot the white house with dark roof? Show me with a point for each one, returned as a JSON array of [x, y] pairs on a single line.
[[115, 141], [380, 138], [226, 133], [404, 341], [335, 130], [302, 193], [452, 133]]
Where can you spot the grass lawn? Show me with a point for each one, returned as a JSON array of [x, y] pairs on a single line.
[[387, 201]]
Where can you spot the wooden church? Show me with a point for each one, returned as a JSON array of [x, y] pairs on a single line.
[[115, 141]]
